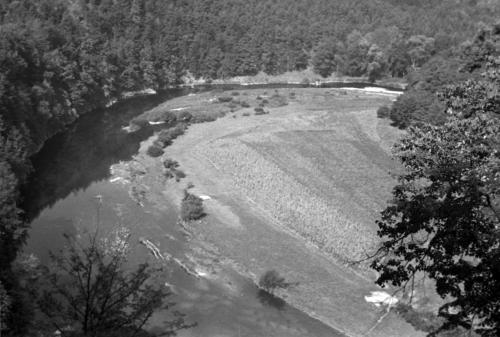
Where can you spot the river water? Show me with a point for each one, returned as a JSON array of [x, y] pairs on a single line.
[[70, 193]]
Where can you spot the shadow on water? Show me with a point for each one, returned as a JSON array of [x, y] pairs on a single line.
[[271, 300], [50, 233], [72, 160]]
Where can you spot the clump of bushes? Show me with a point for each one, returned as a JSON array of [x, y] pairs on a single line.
[[383, 112], [258, 97], [260, 111], [245, 114], [154, 151], [244, 104], [203, 118], [165, 137], [272, 280], [235, 93], [178, 174], [162, 116], [185, 116], [139, 122], [292, 95], [224, 99], [172, 170], [265, 101], [170, 164], [191, 207], [278, 100]]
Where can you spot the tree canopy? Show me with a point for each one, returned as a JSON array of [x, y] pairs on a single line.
[[444, 220]]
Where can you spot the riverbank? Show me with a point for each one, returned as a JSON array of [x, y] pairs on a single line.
[[320, 140], [303, 77]]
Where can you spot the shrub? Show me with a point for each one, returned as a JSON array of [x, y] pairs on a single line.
[[246, 114], [184, 116], [383, 112], [167, 136], [154, 151], [203, 118], [232, 105], [258, 98], [260, 111], [224, 99], [244, 104], [191, 207], [277, 100], [265, 101], [170, 164], [162, 116], [158, 143], [139, 122], [178, 174], [271, 280], [292, 95], [235, 93]]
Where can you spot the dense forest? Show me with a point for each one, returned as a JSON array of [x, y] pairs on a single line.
[[60, 59]]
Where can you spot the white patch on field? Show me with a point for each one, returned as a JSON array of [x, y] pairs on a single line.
[[380, 91], [381, 297], [156, 123], [179, 109], [200, 272], [205, 197]]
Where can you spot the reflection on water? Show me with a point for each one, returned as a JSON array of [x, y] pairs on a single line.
[[269, 299], [50, 233]]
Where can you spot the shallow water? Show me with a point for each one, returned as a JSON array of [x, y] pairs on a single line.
[[70, 193]]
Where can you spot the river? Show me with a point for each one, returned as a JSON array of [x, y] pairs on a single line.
[[70, 192]]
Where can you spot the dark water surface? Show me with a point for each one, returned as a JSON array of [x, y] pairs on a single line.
[[69, 192]]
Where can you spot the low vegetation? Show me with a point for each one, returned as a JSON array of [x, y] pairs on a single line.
[[172, 171], [166, 137], [225, 99], [191, 207], [154, 151], [272, 280], [260, 111]]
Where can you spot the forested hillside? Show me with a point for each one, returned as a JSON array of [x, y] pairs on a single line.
[[60, 59]]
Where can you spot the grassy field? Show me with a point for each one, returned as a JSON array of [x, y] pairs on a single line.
[[296, 189]]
